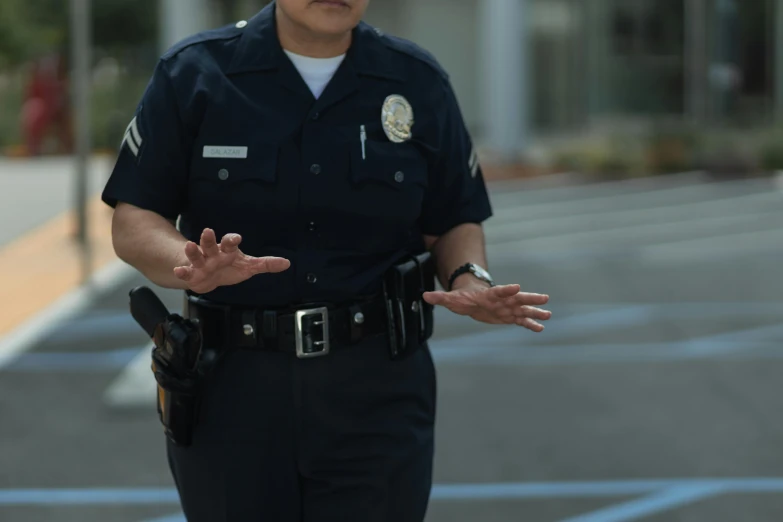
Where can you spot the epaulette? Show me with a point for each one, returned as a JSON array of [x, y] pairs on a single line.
[[226, 32], [411, 49]]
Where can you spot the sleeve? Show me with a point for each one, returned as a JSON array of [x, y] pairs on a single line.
[[152, 165], [457, 193]]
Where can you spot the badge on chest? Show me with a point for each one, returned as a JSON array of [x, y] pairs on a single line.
[[397, 118]]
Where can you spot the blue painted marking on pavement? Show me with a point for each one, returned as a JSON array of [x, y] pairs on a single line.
[[81, 497], [737, 337], [616, 353], [84, 361], [177, 517], [597, 489], [489, 348], [587, 317], [98, 325], [650, 505], [596, 318], [489, 491], [507, 346]]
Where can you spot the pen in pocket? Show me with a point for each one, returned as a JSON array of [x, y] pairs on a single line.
[[363, 138]]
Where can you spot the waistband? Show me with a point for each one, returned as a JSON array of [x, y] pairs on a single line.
[[309, 330]]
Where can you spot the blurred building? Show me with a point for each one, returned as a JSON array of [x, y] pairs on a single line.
[[592, 64], [529, 69]]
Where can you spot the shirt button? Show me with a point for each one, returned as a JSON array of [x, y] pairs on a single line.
[[311, 278], [315, 169], [311, 226], [316, 116], [399, 177], [223, 174]]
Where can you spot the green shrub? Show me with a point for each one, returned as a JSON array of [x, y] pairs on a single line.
[[770, 153]]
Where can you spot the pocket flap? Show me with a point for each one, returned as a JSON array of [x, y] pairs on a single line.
[[259, 165], [398, 165]]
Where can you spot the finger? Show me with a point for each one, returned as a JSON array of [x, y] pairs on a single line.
[[530, 324], [502, 291], [209, 243], [230, 243], [532, 312], [269, 264], [194, 254], [527, 298], [184, 272]]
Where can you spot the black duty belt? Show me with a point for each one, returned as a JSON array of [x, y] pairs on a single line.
[[309, 331]]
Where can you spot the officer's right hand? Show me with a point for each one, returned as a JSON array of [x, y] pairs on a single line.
[[213, 265]]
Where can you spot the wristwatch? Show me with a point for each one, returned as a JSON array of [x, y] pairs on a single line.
[[471, 268]]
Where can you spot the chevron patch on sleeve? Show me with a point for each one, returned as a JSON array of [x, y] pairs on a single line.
[[473, 163], [132, 138]]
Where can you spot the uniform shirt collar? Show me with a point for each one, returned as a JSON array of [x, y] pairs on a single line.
[[259, 49]]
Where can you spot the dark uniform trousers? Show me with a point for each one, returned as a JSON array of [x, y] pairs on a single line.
[[344, 437]]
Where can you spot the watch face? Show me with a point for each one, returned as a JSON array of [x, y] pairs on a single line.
[[481, 273]]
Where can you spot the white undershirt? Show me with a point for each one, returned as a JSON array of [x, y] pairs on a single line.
[[316, 72]]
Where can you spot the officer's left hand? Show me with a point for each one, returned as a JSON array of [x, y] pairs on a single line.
[[497, 305]]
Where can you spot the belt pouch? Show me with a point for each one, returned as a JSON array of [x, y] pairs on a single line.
[[410, 317]]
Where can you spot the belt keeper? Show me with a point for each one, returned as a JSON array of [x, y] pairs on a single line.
[[270, 323]]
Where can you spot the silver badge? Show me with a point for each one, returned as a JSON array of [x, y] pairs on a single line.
[[397, 118]]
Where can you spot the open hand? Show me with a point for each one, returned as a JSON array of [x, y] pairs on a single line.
[[213, 265], [497, 305]]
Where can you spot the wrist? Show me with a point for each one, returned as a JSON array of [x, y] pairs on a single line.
[[468, 280]]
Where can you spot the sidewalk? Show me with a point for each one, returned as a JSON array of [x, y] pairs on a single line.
[[39, 259]]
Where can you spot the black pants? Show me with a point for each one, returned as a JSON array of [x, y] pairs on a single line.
[[345, 437]]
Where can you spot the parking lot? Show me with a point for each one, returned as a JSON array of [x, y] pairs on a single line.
[[653, 394]]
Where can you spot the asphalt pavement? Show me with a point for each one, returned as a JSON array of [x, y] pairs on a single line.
[[654, 393]]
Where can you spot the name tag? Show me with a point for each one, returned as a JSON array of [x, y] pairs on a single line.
[[214, 151]]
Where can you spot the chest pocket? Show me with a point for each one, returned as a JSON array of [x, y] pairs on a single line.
[[390, 177], [227, 191], [258, 170]]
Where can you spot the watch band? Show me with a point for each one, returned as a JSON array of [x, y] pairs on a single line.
[[467, 268]]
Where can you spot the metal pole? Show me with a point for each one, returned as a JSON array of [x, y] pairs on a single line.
[[696, 60], [80, 97], [778, 57], [180, 19], [504, 42]]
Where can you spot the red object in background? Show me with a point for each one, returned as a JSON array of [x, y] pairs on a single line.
[[46, 106]]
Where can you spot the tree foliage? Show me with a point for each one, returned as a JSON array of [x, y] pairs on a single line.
[[29, 28]]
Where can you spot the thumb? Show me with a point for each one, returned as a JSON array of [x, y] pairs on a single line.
[[434, 298], [270, 264]]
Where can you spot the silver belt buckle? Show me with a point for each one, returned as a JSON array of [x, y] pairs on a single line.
[[316, 347]]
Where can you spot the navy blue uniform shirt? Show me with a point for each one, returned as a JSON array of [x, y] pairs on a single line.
[[228, 136]]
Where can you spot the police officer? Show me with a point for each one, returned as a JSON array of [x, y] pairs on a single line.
[[275, 170]]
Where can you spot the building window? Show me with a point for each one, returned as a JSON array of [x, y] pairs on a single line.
[[647, 27]]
